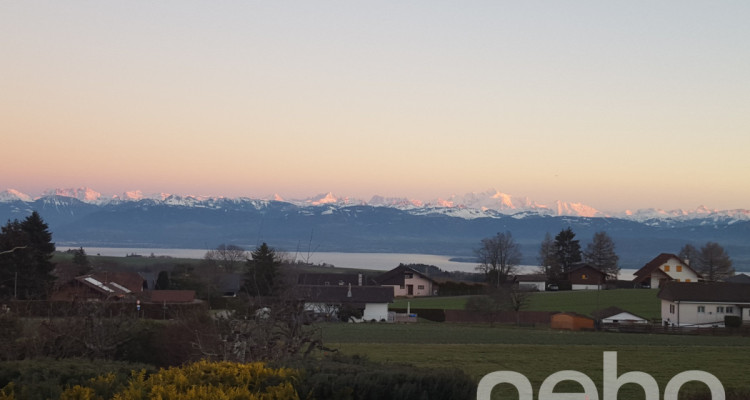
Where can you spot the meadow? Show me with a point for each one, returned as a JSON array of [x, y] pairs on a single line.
[[539, 352]]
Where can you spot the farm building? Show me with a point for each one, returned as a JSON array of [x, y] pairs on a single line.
[[616, 315], [571, 321], [586, 277]]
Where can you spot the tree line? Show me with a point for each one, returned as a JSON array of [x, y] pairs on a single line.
[[499, 257]]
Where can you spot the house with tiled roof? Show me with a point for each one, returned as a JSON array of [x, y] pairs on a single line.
[[664, 268], [408, 282], [703, 303], [101, 285]]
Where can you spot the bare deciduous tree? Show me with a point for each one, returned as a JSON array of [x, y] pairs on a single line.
[[498, 257], [714, 263], [227, 257]]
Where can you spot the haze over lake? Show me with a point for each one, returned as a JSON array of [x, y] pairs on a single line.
[[374, 261]]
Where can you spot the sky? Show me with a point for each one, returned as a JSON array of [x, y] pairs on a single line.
[[617, 104]]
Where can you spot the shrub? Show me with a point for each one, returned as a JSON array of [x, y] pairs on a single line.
[[43, 379], [732, 321], [200, 380], [354, 378]]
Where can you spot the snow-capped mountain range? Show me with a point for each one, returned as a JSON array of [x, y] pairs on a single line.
[[471, 205], [452, 226]]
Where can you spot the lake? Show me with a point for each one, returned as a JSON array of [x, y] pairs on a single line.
[[375, 261]]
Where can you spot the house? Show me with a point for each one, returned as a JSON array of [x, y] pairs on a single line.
[[586, 277], [571, 321], [739, 278], [332, 279], [407, 282], [331, 300], [616, 315], [664, 268], [532, 282], [703, 303], [102, 285]]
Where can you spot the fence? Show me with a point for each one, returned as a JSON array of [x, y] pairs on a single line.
[[676, 330]]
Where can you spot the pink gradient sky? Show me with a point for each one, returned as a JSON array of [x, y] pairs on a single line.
[[613, 104]]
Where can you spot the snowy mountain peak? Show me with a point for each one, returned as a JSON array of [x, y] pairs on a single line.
[[577, 209], [397, 202], [13, 195], [491, 203], [83, 194]]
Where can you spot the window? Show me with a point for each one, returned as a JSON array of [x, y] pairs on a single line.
[[730, 310], [671, 308], [701, 309], [666, 268], [584, 276], [687, 280], [327, 283], [420, 287], [402, 287], [679, 268], [720, 310], [408, 276]]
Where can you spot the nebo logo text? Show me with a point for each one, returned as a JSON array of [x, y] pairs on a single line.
[[611, 383]]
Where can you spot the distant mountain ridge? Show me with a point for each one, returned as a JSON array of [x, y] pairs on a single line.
[[453, 226], [470, 205]]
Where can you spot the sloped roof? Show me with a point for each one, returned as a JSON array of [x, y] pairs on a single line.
[[113, 283], [531, 278], [708, 292], [340, 294], [739, 278], [396, 276], [611, 311], [658, 261], [332, 279], [170, 296], [587, 267]]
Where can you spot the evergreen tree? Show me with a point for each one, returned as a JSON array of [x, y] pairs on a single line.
[[600, 254], [262, 271], [162, 281], [82, 261], [26, 272], [714, 263], [567, 250]]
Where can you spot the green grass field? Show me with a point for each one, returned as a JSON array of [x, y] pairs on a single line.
[[539, 352]]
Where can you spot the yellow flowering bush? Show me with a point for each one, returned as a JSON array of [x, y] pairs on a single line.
[[200, 380]]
